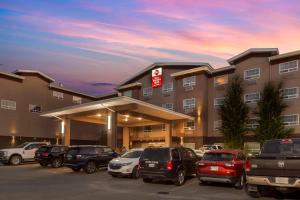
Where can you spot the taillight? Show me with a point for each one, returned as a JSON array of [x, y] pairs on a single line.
[[248, 166], [169, 165], [45, 154]]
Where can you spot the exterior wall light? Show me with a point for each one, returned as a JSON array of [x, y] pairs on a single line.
[[109, 122]]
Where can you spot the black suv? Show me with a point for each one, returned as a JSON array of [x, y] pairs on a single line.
[[89, 158], [174, 164], [51, 154]]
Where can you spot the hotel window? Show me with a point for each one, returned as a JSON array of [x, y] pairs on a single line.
[[58, 95], [167, 87], [217, 124], [289, 120], [252, 97], [286, 67], [189, 81], [252, 74], [189, 125], [8, 104], [147, 129], [147, 91], [290, 93], [77, 100], [168, 106], [221, 80], [219, 101], [35, 108], [127, 93], [189, 103], [253, 123]]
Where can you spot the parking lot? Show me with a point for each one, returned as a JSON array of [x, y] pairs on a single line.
[[30, 181]]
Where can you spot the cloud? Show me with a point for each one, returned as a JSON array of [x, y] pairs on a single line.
[[103, 84]]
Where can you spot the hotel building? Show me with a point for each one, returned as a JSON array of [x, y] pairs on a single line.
[[164, 104]]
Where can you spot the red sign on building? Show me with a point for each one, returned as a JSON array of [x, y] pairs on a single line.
[[157, 77]]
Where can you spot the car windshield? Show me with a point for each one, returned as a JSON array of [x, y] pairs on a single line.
[[282, 147], [156, 154], [132, 154], [22, 145], [217, 157]]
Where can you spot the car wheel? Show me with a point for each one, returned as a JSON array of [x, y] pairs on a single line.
[[180, 178], [253, 194], [56, 162], [75, 169], [147, 180], [90, 167], [43, 164], [15, 160], [240, 182], [135, 172]]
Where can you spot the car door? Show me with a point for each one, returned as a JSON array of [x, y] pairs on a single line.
[[29, 151], [192, 160]]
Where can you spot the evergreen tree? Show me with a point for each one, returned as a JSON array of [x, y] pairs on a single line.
[[234, 114], [270, 109]]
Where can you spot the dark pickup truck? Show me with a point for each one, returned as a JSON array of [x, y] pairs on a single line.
[[276, 167]]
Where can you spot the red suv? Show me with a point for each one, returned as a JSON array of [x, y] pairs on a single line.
[[223, 166]]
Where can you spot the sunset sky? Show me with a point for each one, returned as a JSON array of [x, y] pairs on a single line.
[[91, 46]]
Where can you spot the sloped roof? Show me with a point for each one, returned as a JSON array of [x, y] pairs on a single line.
[[284, 55], [24, 71]]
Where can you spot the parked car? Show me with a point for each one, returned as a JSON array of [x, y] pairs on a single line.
[[51, 154], [22, 153], [225, 166], [207, 148], [89, 158], [126, 165], [173, 164], [277, 167]]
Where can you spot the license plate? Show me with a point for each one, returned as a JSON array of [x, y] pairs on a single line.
[[214, 168], [252, 188], [282, 180], [151, 165]]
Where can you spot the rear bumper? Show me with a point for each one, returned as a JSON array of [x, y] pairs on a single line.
[[268, 181], [217, 178], [163, 175], [74, 165], [42, 160]]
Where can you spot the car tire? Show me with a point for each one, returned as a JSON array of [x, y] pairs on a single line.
[[75, 169], [135, 172], [43, 164], [240, 182], [180, 178], [90, 167], [15, 160], [56, 162], [147, 180], [252, 194]]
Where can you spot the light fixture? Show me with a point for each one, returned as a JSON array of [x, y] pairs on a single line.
[[139, 118], [127, 116], [99, 115], [109, 122], [126, 119], [62, 127]]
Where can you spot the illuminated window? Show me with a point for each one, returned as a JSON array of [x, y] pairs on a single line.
[[286, 67], [252, 97], [189, 125], [147, 129], [221, 80], [252, 74], [8, 104], [217, 124], [219, 101], [189, 81], [77, 100], [35, 108], [253, 123], [58, 95]]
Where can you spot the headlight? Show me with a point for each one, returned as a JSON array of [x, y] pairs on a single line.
[[5, 153], [125, 164]]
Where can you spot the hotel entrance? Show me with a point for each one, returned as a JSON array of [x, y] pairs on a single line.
[[142, 124]]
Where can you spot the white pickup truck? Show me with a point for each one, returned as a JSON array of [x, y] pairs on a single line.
[[22, 153]]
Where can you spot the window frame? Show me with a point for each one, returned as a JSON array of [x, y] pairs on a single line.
[[147, 131], [218, 98], [216, 77], [8, 107], [56, 96], [288, 71], [127, 91], [190, 106], [164, 105], [252, 102], [77, 100], [187, 82], [33, 105], [215, 123], [289, 96], [252, 77], [291, 123], [165, 87], [148, 93], [186, 127]]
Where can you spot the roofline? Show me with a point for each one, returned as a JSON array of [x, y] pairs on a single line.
[[164, 64], [284, 55], [191, 71], [71, 91], [12, 75], [252, 50], [34, 72], [52, 113]]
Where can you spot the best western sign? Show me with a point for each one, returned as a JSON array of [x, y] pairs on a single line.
[[157, 77]]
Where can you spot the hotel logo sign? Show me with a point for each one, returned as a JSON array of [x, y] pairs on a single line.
[[157, 77]]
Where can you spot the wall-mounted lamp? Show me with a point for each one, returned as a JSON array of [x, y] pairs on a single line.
[[109, 122], [62, 127]]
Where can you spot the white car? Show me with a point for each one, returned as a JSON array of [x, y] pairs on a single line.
[[22, 153], [126, 165], [206, 148]]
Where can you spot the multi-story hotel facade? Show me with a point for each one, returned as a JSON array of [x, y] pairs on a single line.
[[188, 96]]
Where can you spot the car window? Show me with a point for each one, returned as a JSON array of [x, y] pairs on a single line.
[[33, 146], [156, 154], [99, 150], [175, 154], [107, 150], [87, 150], [190, 154], [132, 154], [217, 157], [55, 149]]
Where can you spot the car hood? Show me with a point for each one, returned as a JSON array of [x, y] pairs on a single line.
[[124, 160]]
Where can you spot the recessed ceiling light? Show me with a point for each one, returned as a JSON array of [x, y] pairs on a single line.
[[99, 115]]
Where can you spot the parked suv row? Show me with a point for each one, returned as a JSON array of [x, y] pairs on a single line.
[[51, 154]]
